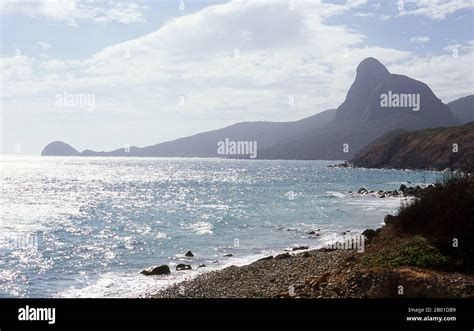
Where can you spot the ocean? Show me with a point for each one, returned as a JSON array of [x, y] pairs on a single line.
[[86, 227]]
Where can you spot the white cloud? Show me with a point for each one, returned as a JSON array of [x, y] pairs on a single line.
[[420, 39], [126, 13], [449, 75], [43, 45], [74, 11], [384, 17], [364, 14], [434, 9], [281, 53]]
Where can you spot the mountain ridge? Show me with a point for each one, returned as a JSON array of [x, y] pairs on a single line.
[[432, 149], [332, 134]]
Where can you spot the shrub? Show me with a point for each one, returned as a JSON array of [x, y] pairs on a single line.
[[418, 252], [442, 214]]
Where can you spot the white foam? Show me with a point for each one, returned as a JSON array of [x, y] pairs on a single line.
[[200, 227], [336, 194]]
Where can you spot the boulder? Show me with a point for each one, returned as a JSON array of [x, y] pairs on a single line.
[[389, 219], [299, 248], [369, 234], [403, 188], [351, 258], [183, 266], [228, 255], [266, 258], [189, 254], [202, 265], [159, 270], [363, 190], [282, 256]]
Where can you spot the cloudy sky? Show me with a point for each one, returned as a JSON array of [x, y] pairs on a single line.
[[159, 70]]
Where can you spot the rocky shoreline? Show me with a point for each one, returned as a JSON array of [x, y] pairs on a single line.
[[324, 273], [391, 264], [283, 275]]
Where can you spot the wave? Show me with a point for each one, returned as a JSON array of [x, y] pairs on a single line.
[[200, 228], [335, 194]]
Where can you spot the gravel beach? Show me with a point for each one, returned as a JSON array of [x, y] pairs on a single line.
[[281, 276]]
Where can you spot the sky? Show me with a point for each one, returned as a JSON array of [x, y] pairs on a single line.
[[102, 75]]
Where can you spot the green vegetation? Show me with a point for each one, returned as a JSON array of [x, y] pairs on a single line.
[[418, 252], [444, 215]]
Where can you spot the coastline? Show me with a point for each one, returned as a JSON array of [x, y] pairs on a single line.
[[392, 263], [322, 273], [264, 278]]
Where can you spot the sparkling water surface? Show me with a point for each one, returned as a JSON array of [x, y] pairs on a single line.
[[86, 227]]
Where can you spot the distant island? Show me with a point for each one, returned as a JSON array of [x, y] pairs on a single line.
[[335, 134]]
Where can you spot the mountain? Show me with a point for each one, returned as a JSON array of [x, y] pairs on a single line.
[[370, 73], [59, 148], [205, 144], [463, 108], [377, 102], [360, 120], [434, 149]]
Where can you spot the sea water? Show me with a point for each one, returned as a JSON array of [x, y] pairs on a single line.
[[86, 227]]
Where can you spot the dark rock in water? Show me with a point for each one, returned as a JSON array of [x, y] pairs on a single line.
[[202, 265], [409, 191], [282, 256], [59, 148], [266, 258], [299, 248], [369, 234], [402, 188], [189, 254], [382, 196], [183, 266], [389, 219], [160, 270], [228, 255], [362, 191], [343, 233]]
